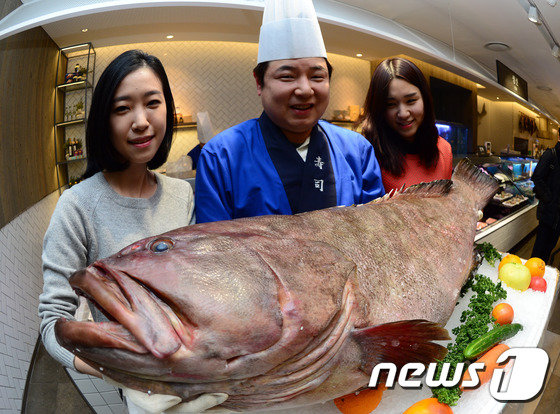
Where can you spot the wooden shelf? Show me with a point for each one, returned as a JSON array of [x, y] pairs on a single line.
[[72, 122], [185, 125], [74, 86], [70, 161], [73, 51]]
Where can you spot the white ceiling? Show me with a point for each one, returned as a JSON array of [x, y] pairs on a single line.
[[448, 33]]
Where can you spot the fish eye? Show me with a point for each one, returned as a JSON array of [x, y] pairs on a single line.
[[161, 245]]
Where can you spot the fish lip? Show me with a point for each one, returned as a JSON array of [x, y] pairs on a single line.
[[115, 299], [73, 335]]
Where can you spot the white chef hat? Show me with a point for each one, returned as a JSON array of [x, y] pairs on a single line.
[[204, 127], [290, 30]]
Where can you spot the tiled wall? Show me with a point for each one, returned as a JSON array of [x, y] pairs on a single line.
[[21, 282], [217, 77], [102, 396]]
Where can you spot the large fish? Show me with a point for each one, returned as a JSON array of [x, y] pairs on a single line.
[[283, 311]]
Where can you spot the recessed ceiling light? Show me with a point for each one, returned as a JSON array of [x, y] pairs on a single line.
[[497, 46], [552, 2], [170, 36], [497, 97], [84, 29], [544, 88], [359, 55]]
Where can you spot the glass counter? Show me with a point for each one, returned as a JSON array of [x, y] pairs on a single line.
[[516, 187]]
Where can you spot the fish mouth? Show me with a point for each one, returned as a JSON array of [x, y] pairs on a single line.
[[139, 321]]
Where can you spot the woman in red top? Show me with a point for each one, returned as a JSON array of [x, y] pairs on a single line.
[[399, 121]]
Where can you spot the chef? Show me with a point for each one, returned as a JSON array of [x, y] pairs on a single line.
[[204, 132], [286, 161]]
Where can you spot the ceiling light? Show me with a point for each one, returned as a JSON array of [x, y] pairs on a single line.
[[359, 55], [84, 29], [497, 46], [170, 36], [552, 2], [533, 14], [544, 88], [555, 51], [497, 97]]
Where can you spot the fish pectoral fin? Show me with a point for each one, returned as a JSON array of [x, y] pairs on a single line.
[[400, 343]]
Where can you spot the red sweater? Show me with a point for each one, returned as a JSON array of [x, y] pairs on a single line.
[[415, 172]]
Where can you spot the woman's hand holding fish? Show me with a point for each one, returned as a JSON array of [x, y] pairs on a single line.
[[84, 368]]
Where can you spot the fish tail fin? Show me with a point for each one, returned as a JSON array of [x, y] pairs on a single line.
[[482, 185], [400, 343]]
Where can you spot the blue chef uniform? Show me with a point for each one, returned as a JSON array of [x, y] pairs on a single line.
[[245, 172], [195, 154]]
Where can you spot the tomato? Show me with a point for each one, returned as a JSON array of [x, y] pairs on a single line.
[[538, 283], [503, 313], [429, 406]]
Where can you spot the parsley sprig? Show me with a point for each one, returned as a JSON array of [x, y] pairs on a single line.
[[475, 322], [491, 254]]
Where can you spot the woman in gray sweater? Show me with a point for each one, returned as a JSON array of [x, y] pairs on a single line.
[[129, 133]]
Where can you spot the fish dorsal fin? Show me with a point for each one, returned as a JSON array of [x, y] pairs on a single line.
[[431, 189], [400, 343], [480, 184], [392, 193]]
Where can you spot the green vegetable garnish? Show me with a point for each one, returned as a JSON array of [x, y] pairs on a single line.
[[484, 342], [491, 254], [475, 322]]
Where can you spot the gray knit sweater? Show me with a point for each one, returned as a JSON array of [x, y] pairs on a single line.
[[92, 221]]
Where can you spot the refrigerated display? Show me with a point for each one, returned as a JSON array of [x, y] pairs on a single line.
[[457, 135], [511, 214]]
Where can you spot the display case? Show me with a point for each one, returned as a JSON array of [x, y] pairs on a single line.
[[516, 188], [457, 135], [511, 213]]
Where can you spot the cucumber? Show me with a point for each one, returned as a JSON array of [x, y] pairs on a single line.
[[490, 338]]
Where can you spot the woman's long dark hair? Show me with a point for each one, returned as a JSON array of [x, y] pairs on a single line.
[[388, 144], [101, 153]]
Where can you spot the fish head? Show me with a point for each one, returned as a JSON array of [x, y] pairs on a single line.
[[193, 307]]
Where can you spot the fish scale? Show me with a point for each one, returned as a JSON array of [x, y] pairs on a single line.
[[285, 311]]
